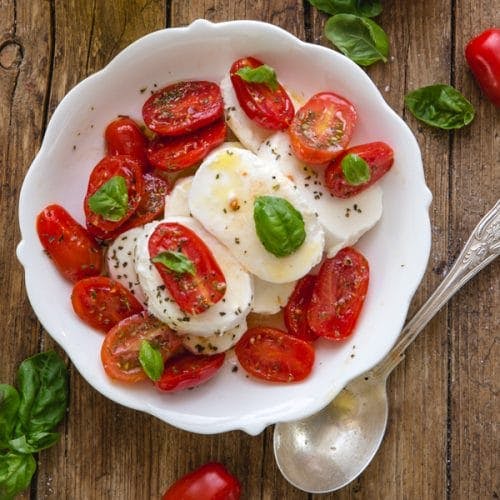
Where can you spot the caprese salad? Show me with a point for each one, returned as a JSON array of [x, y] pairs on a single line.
[[188, 231]]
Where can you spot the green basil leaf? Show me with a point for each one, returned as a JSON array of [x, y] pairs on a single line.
[[261, 74], [43, 387], [151, 360], [367, 8], [175, 261], [9, 404], [279, 225], [440, 106], [34, 442], [16, 472], [356, 171], [359, 38], [111, 199]]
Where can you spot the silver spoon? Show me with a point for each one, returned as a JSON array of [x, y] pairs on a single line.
[[328, 450]]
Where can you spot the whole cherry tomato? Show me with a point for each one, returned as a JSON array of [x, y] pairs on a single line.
[[211, 481], [73, 251], [124, 137]]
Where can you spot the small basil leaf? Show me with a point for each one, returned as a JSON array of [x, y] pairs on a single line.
[[261, 74], [359, 38], [16, 472], [367, 8], [175, 261], [279, 226], [34, 442], [9, 404], [440, 106], [43, 387], [111, 199], [356, 171], [151, 360]]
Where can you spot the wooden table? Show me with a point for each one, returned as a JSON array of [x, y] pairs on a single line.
[[440, 440]]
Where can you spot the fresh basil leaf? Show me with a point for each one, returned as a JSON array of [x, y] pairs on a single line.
[[261, 74], [367, 8], [9, 404], [43, 387], [34, 442], [356, 171], [151, 360], [279, 225], [440, 106], [111, 199], [16, 472], [175, 261], [359, 38]]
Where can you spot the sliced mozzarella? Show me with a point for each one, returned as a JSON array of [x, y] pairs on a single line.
[[222, 198], [344, 221], [120, 260], [269, 298], [176, 202], [220, 317], [215, 343]]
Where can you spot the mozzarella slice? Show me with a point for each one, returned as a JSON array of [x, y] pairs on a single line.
[[220, 317], [120, 261], [269, 298], [344, 221], [222, 198], [176, 202], [215, 343]]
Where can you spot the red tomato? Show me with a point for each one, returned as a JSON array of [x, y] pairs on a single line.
[[211, 481], [124, 137], [73, 251], [295, 313], [120, 349], [193, 293], [189, 370], [102, 303], [271, 109], [379, 157], [322, 128], [183, 107], [109, 167], [339, 295], [177, 153], [270, 354], [483, 57]]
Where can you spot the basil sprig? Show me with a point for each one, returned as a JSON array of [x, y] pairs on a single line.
[[356, 171], [440, 106], [367, 8], [111, 199], [151, 360], [279, 225], [262, 74], [175, 261]]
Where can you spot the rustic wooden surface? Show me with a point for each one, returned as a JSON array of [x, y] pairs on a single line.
[[441, 440]]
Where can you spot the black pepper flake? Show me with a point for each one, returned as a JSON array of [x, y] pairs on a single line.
[[234, 369]]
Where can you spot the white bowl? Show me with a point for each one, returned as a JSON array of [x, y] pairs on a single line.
[[397, 248]]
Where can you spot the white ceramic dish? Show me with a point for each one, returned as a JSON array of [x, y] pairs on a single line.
[[397, 248]]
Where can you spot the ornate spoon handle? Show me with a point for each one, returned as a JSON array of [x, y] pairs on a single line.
[[481, 248]]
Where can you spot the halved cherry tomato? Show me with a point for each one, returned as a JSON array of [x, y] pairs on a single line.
[[124, 137], [295, 313], [102, 302], [378, 155], [211, 481], [189, 370], [73, 251], [271, 109], [120, 349], [271, 354], [183, 107], [177, 153], [108, 167], [193, 293], [322, 128], [339, 294]]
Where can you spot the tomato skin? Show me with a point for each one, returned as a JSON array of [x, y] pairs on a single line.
[[270, 109], [124, 137], [322, 128], [120, 348], [72, 249], [211, 481], [193, 294], [271, 354], [173, 154], [378, 155], [183, 107], [339, 294], [295, 312], [483, 57], [189, 370], [102, 302]]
